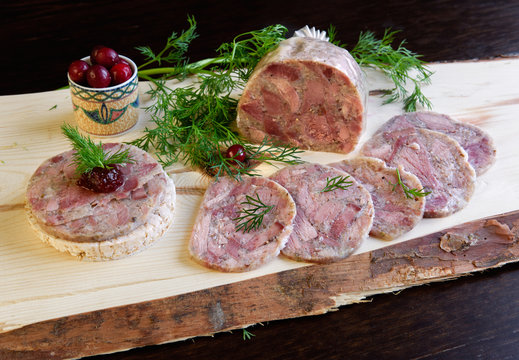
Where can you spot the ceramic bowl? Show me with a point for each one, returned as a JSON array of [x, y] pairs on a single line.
[[106, 111]]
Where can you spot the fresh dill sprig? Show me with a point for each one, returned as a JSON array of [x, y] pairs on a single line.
[[268, 152], [89, 155], [332, 36], [252, 217], [240, 55], [399, 64], [243, 53], [173, 53], [337, 182], [247, 335], [265, 152], [409, 193], [194, 122]]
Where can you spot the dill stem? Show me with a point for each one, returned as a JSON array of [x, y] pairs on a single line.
[[158, 71], [193, 68], [145, 77]]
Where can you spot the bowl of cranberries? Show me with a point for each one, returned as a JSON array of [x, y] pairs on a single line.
[[105, 92]]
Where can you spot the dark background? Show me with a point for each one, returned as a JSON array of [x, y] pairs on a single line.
[[40, 38], [473, 317]]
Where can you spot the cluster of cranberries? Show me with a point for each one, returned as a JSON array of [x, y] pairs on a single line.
[[106, 69]]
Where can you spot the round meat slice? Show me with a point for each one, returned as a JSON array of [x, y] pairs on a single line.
[[218, 242], [435, 158], [100, 226], [307, 93], [478, 144], [329, 225], [395, 211]]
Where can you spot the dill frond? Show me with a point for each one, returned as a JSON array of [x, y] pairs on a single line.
[[89, 155], [337, 182], [252, 217]]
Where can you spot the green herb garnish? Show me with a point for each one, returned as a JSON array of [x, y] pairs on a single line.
[[239, 55], [247, 335], [173, 53], [399, 64], [89, 155], [252, 217], [337, 182], [409, 193], [193, 122], [265, 152]]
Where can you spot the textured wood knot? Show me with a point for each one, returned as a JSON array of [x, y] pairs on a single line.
[[450, 242], [491, 231], [217, 316], [412, 273]]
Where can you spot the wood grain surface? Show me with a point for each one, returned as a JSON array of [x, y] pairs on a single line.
[[308, 291], [472, 317]]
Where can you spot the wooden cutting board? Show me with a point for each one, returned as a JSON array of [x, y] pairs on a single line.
[[53, 303]]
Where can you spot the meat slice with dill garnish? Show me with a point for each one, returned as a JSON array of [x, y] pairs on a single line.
[[101, 225], [435, 158], [477, 143], [396, 212], [331, 222], [219, 241]]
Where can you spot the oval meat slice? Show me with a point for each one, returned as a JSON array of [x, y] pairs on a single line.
[[100, 226], [216, 243], [307, 93], [478, 144], [435, 158], [395, 212], [330, 225]]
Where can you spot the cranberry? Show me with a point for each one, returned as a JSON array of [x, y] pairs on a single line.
[[102, 180], [236, 152], [120, 73], [104, 56], [98, 77], [77, 71], [122, 61], [93, 53]]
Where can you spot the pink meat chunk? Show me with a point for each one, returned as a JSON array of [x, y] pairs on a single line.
[[477, 143], [436, 159], [395, 213], [68, 211], [216, 243], [307, 93], [329, 226]]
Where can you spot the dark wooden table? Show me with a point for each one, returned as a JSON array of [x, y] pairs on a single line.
[[472, 317]]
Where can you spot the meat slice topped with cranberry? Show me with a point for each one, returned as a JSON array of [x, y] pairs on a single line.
[[329, 225], [307, 93], [478, 144], [218, 242], [435, 158], [395, 211], [68, 211]]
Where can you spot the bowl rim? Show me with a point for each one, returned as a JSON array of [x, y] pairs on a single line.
[[108, 88]]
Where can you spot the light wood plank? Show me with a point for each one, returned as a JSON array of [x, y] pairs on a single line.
[[312, 290], [37, 283]]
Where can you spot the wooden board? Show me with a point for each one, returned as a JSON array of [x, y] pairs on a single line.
[[42, 289]]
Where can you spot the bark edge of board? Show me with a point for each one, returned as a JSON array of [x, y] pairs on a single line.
[[448, 254]]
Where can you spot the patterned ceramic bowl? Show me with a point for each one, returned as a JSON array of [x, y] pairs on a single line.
[[106, 111]]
